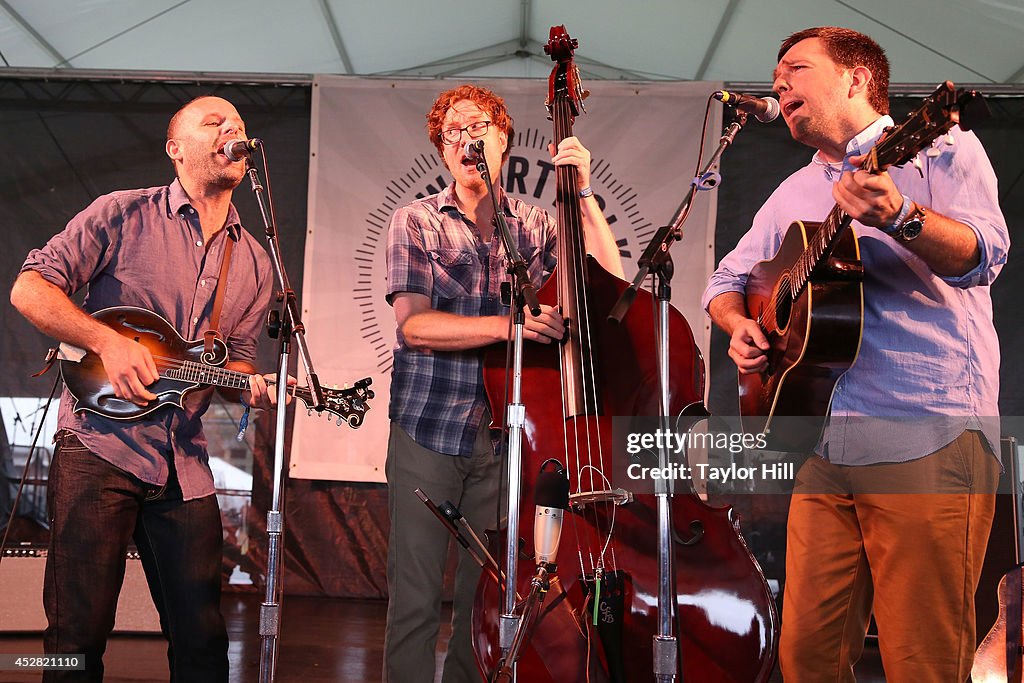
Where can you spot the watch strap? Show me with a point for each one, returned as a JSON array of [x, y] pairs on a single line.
[[895, 226]]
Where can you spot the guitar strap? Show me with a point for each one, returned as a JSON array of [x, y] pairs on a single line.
[[222, 284]]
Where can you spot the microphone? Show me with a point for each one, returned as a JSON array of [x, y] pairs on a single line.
[[551, 496], [236, 150], [474, 149], [764, 109]]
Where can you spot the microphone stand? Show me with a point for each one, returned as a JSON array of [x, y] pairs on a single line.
[[523, 293], [539, 586], [284, 325], [522, 286], [656, 253], [657, 260]]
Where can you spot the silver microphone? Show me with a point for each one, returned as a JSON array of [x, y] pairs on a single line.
[[236, 150], [764, 109], [551, 497], [474, 149]]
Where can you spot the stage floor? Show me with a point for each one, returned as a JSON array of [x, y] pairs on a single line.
[[322, 640]]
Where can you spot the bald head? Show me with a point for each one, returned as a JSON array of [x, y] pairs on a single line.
[[175, 123], [196, 135]]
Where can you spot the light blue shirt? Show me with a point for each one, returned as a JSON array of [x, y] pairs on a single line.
[[928, 366]]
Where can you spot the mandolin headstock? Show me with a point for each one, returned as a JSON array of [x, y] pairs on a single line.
[[347, 405]]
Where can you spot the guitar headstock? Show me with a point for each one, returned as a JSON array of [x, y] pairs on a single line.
[[564, 82], [348, 404], [940, 111]]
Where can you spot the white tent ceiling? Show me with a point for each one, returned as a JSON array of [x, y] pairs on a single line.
[[966, 41]]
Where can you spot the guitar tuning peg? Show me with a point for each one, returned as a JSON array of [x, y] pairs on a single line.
[[309, 412], [338, 423], [918, 165], [949, 139]]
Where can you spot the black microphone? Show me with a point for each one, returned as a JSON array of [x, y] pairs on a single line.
[[551, 496], [474, 149], [764, 109], [236, 150]]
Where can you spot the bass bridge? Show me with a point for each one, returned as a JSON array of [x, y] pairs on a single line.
[[578, 501]]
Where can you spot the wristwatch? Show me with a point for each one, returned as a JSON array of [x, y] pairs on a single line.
[[910, 222]]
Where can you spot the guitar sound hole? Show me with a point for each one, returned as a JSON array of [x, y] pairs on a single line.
[[783, 305]]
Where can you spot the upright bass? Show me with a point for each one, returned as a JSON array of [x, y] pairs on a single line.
[[603, 604]]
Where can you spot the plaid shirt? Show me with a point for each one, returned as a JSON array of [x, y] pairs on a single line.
[[434, 250]]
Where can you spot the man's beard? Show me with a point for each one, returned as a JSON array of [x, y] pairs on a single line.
[[222, 177], [808, 132], [226, 182]]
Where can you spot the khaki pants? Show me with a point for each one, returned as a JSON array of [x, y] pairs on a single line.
[[914, 553], [418, 550]]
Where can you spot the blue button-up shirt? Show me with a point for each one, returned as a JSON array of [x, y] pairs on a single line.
[[434, 250], [146, 248], [928, 365]]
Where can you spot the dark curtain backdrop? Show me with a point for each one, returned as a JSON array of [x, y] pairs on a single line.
[[62, 143]]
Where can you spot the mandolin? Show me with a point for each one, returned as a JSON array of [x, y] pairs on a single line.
[[183, 366], [809, 298]]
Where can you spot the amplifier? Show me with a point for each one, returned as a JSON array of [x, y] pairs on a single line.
[[21, 594]]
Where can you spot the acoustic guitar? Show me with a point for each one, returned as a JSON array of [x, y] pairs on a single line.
[[184, 366], [809, 298]]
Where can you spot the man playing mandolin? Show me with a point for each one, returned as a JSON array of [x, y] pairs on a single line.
[[148, 479], [445, 264], [916, 412]]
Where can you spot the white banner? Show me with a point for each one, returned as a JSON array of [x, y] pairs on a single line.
[[369, 154]]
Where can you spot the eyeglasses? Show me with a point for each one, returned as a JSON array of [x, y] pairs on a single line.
[[475, 130]]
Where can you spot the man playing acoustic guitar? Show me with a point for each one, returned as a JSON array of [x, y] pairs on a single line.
[[147, 480], [916, 412]]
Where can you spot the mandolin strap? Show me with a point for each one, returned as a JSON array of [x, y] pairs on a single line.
[[222, 284]]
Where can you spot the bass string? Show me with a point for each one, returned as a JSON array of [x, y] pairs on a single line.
[[587, 447], [600, 469], [573, 459]]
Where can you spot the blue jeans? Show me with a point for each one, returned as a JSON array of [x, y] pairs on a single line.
[[95, 510]]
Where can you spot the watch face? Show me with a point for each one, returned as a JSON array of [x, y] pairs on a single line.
[[911, 229]]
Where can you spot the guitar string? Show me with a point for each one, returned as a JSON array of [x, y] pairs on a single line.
[[915, 130], [822, 240]]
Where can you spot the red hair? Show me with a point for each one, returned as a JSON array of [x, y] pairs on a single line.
[[481, 97]]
